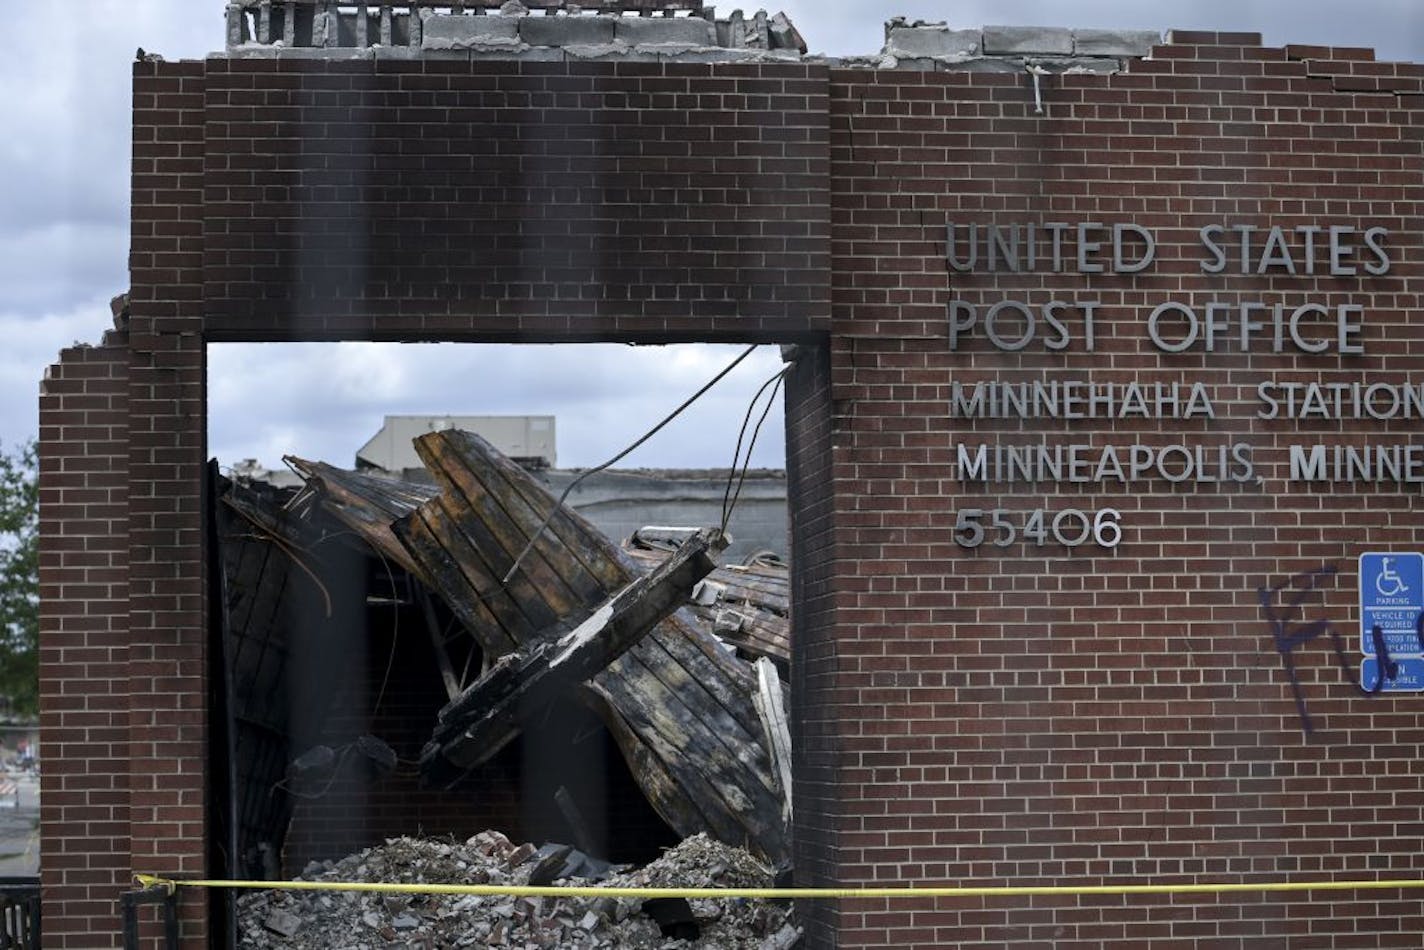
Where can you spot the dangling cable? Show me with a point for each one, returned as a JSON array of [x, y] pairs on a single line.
[[729, 499], [543, 525]]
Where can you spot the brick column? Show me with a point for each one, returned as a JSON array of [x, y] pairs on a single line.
[[84, 816], [816, 736], [167, 628]]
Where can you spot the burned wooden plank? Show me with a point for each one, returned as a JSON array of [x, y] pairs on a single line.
[[771, 706], [747, 606], [484, 718], [367, 505], [472, 594], [437, 643], [678, 704]]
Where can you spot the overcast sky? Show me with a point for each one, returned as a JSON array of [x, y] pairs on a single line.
[[64, 238]]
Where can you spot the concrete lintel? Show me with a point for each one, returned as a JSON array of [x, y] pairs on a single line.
[[1077, 64], [657, 31], [1115, 42], [1049, 40], [567, 30], [465, 32], [933, 41]]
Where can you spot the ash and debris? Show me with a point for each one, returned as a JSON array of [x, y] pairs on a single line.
[[342, 920]]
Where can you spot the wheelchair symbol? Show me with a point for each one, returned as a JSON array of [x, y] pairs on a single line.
[[1388, 582]]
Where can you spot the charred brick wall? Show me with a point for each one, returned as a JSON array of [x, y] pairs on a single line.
[[395, 696], [1036, 713], [524, 201], [815, 714]]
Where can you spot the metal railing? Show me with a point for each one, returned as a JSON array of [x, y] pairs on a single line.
[[167, 900], [19, 913]]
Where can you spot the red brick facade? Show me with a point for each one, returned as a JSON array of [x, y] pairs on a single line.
[[1025, 714]]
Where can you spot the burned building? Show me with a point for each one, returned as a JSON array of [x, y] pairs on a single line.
[[1141, 614]]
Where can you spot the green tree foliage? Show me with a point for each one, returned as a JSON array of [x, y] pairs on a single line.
[[19, 579]]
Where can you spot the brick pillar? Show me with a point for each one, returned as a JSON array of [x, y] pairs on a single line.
[[816, 731], [167, 627], [84, 685]]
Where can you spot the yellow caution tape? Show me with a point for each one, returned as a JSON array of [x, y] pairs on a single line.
[[832, 893]]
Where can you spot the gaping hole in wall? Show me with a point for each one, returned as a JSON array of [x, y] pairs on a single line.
[[378, 652]]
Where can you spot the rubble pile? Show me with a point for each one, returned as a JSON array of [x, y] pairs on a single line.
[[343, 920]]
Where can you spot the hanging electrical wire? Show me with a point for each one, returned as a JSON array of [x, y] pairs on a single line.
[[729, 499], [544, 525]]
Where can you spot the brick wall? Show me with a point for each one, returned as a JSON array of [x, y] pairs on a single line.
[[1037, 715], [394, 693], [320, 200], [167, 632], [523, 201], [815, 713], [1026, 714], [84, 816]]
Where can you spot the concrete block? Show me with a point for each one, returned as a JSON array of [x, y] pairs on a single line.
[[525, 54], [610, 53], [1052, 40], [784, 34], [254, 51], [566, 30], [338, 54], [445, 31], [715, 55], [645, 31], [325, 28], [398, 53], [919, 63], [1114, 42], [237, 30], [983, 64], [759, 31], [736, 31], [932, 41], [668, 49], [1079, 64]]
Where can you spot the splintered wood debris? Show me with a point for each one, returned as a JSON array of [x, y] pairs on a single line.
[[703, 731]]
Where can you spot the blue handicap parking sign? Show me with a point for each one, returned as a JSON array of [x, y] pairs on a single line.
[[1392, 600]]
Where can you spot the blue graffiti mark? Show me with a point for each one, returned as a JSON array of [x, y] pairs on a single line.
[[1284, 606], [1290, 633], [1386, 668]]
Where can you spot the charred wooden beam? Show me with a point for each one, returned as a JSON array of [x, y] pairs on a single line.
[[487, 715]]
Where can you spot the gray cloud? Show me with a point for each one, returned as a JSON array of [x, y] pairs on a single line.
[[322, 400], [64, 232]]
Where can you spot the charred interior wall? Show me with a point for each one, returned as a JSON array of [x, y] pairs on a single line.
[[395, 697], [1026, 714]]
